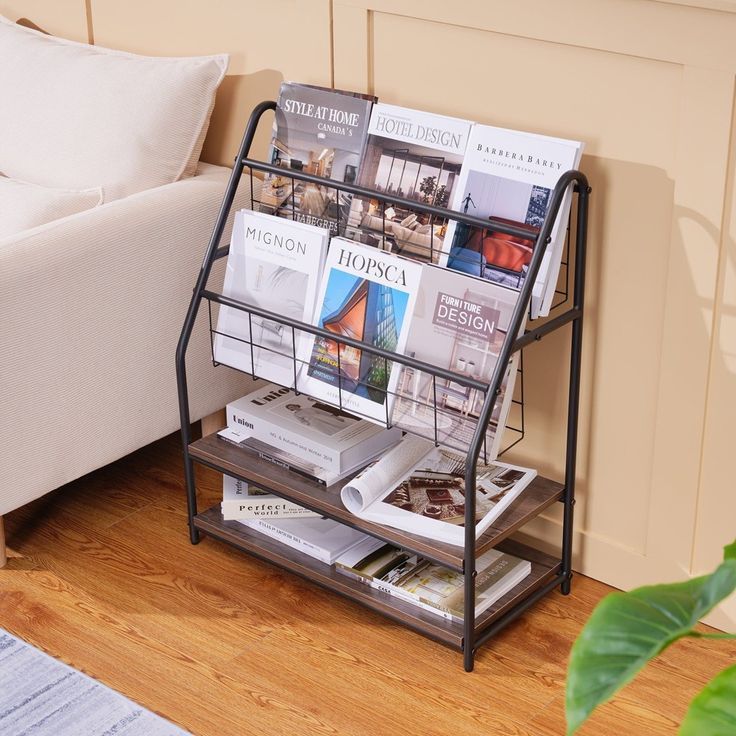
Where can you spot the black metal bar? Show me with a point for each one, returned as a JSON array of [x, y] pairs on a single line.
[[565, 181], [517, 610], [345, 340], [429, 209], [573, 406], [191, 316], [539, 332]]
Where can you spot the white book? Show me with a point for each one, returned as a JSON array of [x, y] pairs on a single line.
[[509, 175], [420, 488], [288, 461], [276, 265], [307, 428], [241, 500], [368, 295], [459, 323], [416, 155], [321, 538]]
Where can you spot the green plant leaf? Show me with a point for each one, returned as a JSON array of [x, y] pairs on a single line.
[[729, 552], [626, 630], [713, 710]]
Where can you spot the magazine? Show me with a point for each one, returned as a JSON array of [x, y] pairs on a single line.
[[275, 265], [288, 461], [241, 500], [415, 155], [428, 585], [420, 488], [368, 295], [459, 323], [319, 537], [309, 429], [322, 132], [509, 175]]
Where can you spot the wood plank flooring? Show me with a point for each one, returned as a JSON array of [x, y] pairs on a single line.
[[101, 575]]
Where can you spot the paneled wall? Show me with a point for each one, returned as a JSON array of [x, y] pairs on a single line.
[[649, 86]]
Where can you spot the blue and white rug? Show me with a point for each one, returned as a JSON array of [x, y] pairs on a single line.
[[40, 696]]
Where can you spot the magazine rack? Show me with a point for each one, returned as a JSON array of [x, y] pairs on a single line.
[[547, 573]]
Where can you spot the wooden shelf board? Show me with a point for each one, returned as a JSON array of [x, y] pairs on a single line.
[[448, 632], [228, 458]]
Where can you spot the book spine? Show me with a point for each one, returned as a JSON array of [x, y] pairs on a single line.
[[271, 507], [288, 466], [408, 598], [288, 440], [289, 540]]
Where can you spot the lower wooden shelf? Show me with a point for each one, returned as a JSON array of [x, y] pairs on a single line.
[[544, 570]]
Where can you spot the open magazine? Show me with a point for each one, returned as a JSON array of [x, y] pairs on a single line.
[[420, 488]]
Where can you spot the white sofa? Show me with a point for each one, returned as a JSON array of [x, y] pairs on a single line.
[[92, 302]]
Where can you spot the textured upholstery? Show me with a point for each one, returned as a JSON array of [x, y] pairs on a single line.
[[24, 205], [92, 307]]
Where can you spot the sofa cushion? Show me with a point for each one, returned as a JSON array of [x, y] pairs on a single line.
[[80, 116], [24, 205]]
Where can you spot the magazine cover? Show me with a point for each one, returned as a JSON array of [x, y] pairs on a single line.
[[368, 295], [459, 323], [322, 132], [509, 175], [420, 488], [276, 265], [242, 500], [415, 155]]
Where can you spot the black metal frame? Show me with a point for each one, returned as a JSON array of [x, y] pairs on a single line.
[[572, 315]]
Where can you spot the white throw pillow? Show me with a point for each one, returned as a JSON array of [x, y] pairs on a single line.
[[24, 205], [79, 116]]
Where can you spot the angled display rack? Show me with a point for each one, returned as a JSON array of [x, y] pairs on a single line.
[[548, 572]]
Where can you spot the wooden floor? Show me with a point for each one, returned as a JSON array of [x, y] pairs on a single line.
[[102, 575]]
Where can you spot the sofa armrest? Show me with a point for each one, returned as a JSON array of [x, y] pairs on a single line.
[[92, 306]]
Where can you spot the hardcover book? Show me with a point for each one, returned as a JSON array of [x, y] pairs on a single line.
[[242, 500], [430, 586], [288, 461], [509, 175], [321, 538], [322, 132], [275, 265], [420, 488], [459, 323], [414, 155], [309, 429], [368, 295]]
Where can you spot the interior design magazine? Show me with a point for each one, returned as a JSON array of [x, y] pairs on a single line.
[[366, 294], [459, 323], [275, 265], [311, 430], [412, 154], [509, 175], [322, 132], [430, 586], [420, 488], [241, 500]]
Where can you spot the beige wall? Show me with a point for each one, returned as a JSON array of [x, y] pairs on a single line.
[[650, 87]]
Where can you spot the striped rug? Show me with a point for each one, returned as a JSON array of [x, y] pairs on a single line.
[[40, 696]]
